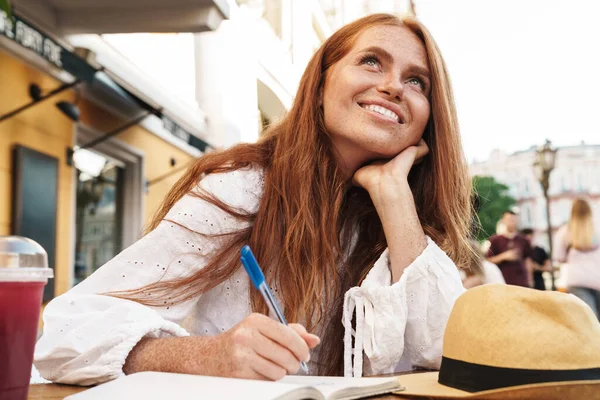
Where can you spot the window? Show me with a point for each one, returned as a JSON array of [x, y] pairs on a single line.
[[99, 205], [108, 201]]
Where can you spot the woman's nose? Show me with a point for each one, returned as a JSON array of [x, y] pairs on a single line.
[[392, 87]]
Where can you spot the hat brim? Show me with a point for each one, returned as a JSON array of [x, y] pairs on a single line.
[[425, 385]]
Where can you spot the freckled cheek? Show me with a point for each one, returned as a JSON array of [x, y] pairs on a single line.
[[421, 112]]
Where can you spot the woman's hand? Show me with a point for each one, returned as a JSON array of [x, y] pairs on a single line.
[[256, 348], [387, 184], [262, 348], [381, 176]]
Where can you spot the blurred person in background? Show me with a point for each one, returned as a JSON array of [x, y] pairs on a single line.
[[485, 245], [511, 252], [481, 271], [577, 245], [540, 261], [356, 200]]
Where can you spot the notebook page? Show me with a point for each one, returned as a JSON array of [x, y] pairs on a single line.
[[330, 385], [165, 386]]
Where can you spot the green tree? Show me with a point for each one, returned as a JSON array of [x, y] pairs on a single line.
[[491, 200], [5, 6]]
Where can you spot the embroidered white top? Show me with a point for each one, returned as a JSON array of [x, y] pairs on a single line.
[[87, 336]]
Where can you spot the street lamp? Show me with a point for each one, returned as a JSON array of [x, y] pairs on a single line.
[[545, 157]]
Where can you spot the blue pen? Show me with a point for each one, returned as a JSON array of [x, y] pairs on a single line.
[[258, 279]]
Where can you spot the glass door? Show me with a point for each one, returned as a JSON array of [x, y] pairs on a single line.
[[99, 214]]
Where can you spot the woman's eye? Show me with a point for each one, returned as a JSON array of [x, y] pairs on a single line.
[[371, 61], [416, 82]]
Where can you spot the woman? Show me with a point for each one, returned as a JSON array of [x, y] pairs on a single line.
[[577, 246], [344, 226]]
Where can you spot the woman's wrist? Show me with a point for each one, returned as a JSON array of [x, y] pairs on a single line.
[[403, 231], [391, 192], [140, 358]]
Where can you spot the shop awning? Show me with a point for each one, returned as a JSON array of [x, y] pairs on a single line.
[[123, 16], [110, 79]]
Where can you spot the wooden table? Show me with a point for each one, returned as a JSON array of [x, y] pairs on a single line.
[[53, 391]]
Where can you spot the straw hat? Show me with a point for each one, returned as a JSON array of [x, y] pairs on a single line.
[[509, 342]]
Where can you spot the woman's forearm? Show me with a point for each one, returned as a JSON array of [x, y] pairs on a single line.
[[166, 355], [403, 231]]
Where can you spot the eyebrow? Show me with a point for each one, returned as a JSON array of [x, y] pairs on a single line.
[[389, 58]]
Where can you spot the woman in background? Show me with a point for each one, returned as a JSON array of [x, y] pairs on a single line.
[[577, 245]]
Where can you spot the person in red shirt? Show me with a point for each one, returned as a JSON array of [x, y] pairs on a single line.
[[511, 252]]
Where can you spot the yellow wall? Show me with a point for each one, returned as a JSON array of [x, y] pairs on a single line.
[[45, 129], [42, 128]]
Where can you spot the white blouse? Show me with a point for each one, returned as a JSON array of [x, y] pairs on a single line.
[[87, 336]]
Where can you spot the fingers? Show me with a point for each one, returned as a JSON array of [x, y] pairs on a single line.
[[262, 348], [422, 151], [311, 340], [251, 365], [285, 336], [277, 354], [264, 368]]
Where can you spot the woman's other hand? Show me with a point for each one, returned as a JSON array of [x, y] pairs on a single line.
[[381, 176], [387, 184]]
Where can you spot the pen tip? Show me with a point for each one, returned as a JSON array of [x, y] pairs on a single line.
[[304, 367]]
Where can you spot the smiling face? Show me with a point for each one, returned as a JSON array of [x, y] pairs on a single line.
[[375, 99]]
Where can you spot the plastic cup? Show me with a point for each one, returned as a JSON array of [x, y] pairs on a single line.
[[23, 274]]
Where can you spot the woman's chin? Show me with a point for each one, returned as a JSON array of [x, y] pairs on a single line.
[[386, 153]]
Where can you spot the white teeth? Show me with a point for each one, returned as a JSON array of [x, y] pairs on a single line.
[[382, 111]]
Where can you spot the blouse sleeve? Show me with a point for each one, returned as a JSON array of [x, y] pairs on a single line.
[[404, 318], [88, 335]]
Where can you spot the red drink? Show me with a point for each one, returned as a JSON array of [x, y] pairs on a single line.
[[23, 275], [19, 312]]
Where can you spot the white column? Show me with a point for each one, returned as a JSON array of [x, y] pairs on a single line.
[[302, 33], [286, 24], [226, 86]]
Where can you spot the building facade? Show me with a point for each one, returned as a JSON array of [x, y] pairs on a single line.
[[89, 146], [576, 174], [244, 74]]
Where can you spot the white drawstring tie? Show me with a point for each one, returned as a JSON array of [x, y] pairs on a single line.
[[357, 299]]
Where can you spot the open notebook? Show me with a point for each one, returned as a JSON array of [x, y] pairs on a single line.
[[161, 386]]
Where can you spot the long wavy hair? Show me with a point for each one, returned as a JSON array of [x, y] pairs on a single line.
[[309, 214], [581, 226]]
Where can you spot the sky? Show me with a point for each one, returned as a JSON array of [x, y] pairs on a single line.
[[522, 70]]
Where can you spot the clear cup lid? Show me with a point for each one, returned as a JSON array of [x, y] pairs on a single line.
[[23, 260]]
